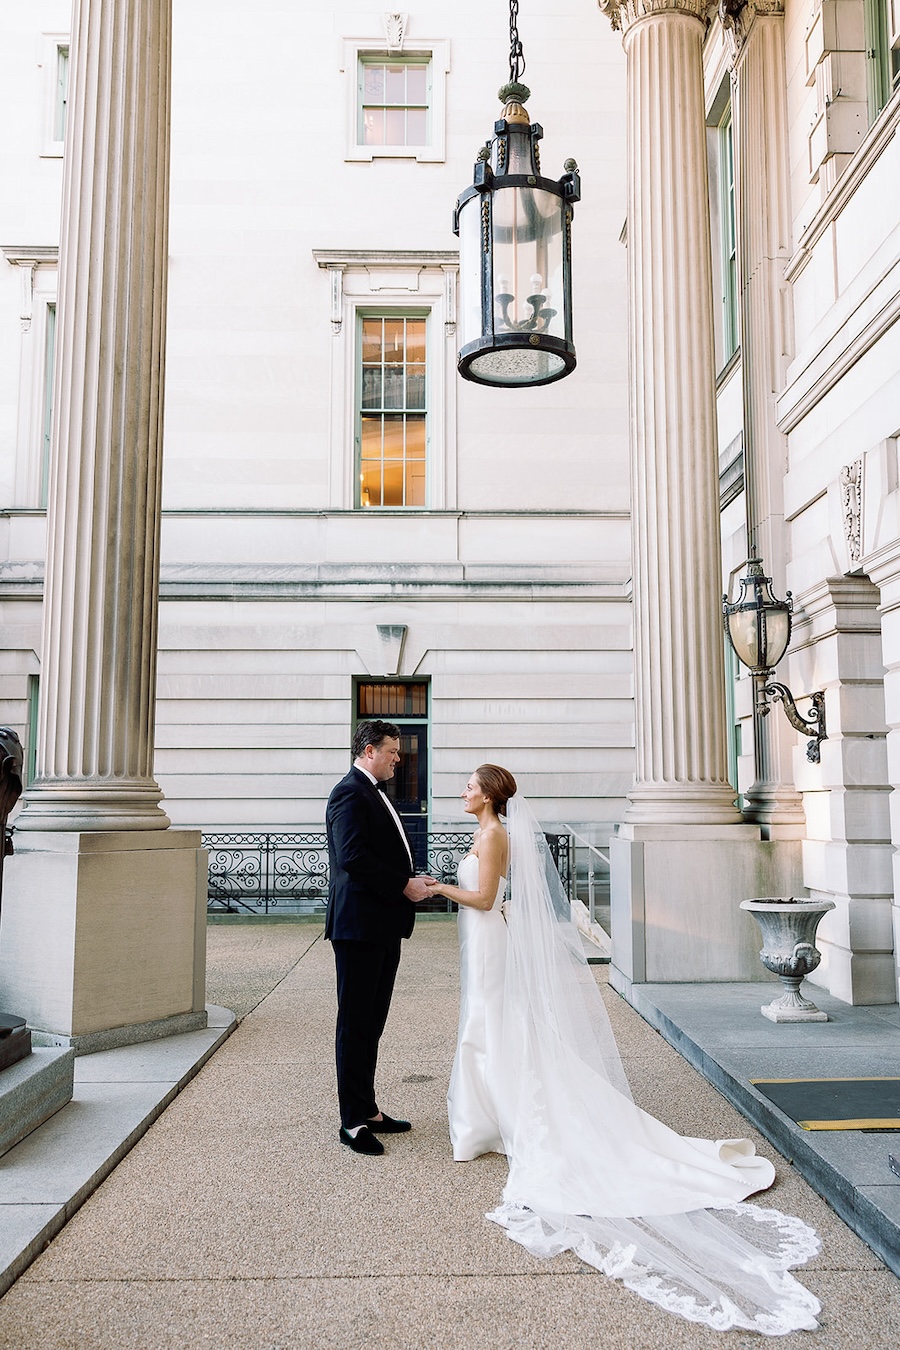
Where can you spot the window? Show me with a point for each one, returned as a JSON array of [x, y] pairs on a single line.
[[392, 417], [47, 419], [396, 100], [34, 692], [55, 64], [404, 303], [62, 93], [734, 744], [393, 101], [730, 320], [37, 269], [882, 37]]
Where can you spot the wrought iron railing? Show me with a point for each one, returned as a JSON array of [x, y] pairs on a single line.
[[286, 873]]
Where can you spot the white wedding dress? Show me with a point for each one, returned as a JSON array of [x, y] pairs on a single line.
[[537, 1076]]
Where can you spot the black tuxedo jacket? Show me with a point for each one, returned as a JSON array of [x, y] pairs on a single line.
[[368, 866]]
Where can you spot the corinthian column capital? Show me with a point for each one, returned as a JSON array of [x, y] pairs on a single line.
[[622, 14], [738, 17]]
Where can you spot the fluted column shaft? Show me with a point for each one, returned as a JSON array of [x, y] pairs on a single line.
[[98, 674], [679, 655], [762, 186]]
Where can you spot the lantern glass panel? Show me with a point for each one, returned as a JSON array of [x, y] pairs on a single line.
[[743, 630], [470, 271], [528, 261], [778, 635]]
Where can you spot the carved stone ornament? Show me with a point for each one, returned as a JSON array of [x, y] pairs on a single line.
[[394, 31], [623, 13], [851, 508], [737, 17]]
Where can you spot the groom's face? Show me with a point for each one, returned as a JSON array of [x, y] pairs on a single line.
[[383, 759]]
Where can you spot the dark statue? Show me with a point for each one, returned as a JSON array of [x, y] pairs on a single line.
[[15, 1038]]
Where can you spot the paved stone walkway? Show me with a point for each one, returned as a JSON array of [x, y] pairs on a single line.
[[239, 1223]]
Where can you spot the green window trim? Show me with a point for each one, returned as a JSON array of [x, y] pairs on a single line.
[[728, 232], [392, 431], [394, 101]]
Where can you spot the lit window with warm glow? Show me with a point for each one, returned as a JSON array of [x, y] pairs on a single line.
[[392, 412], [394, 99]]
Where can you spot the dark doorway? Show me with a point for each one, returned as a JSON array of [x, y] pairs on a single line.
[[404, 702]]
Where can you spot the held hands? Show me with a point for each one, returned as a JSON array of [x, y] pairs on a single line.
[[419, 888]]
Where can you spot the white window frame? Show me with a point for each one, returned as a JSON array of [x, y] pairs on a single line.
[[363, 282], [434, 51], [51, 45], [38, 269]]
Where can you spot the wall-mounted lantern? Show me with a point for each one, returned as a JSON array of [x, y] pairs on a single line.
[[759, 630]]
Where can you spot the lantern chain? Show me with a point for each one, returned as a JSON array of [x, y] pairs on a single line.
[[516, 55]]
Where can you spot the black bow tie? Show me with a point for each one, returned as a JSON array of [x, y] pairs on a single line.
[[381, 787]]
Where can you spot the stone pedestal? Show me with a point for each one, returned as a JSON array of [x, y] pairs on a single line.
[[103, 936], [675, 901]]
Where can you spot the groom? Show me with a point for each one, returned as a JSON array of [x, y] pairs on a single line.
[[371, 896]]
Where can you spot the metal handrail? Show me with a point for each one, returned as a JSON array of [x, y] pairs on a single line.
[[604, 857]]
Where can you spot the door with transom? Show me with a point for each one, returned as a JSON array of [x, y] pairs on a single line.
[[404, 702]]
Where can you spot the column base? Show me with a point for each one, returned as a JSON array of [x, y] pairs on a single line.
[[64, 806], [103, 935], [682, 804], [675, 897]]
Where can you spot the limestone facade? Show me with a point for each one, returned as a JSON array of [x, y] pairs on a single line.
[[746, 395], [512, 579]]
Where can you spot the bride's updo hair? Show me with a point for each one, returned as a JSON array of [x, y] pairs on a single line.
[[497, 784]]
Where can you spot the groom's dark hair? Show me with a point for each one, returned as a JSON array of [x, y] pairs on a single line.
[[373, 733]]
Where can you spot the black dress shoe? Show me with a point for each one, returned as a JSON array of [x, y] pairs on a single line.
[[387, 1125], [362, 1142]]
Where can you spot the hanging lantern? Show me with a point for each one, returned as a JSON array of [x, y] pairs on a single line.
[[515, 251]]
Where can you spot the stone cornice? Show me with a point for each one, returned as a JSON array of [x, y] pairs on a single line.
[[386, 257], [622, 14]]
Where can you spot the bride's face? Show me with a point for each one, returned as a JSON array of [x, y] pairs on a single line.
[[473, 797]]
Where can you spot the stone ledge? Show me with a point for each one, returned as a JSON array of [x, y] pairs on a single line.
[[32, 1090], [718, 1029], [118, 1095]]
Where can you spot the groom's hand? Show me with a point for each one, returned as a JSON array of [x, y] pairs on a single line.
[[417, 888]]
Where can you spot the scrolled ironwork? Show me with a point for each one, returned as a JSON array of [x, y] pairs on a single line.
[[813, 724], [287, 873]]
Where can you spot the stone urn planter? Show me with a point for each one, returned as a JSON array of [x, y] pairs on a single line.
[[789, 932]]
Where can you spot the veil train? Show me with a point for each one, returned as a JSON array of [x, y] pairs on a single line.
[[591, 1172]]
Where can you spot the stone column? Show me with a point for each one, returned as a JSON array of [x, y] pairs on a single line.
[[762, 189], [98, 668], [684, 858], [682, 766], [103, 926]]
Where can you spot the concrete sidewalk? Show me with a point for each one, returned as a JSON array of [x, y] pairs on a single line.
[[238, 1220]]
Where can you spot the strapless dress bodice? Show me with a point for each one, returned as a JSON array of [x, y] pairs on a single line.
[[467, 876]]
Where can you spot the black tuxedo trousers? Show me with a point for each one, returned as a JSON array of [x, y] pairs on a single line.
[[368, 915]]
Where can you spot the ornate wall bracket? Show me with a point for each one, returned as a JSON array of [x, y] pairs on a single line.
[[28, 260], [814, 722]]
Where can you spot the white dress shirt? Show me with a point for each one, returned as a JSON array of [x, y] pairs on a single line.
[[390, 806]]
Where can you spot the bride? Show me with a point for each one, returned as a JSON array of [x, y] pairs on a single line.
[[537, 1076]]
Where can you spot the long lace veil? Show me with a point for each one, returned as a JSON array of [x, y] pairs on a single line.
[[592, 1173]]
